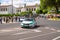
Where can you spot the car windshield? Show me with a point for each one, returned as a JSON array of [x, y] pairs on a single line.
[[28, 19]]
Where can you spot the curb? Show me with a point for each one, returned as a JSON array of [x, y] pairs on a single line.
[[10, 22]]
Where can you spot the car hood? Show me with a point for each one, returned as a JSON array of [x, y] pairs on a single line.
[[27, 22]]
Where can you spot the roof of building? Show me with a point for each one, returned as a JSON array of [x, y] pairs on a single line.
[[30, 6], [5, 5]]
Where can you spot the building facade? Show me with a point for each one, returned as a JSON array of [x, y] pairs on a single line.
[[33, 8], [6, 9]]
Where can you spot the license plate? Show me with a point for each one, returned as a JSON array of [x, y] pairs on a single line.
[[26, 25]]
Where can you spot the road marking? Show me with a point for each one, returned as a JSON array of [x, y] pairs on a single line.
[[50, 28], [53, 29], [47, 28], [18, 28], [37, 30], [25, 32], [2, 31], [37, 36], [21, 33], [58, 30], [10, 29], [56, 38]]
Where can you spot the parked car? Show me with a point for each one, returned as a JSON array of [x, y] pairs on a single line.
[[29, 22]]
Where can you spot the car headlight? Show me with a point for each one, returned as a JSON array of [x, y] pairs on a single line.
[[31, 23], [21, 23]]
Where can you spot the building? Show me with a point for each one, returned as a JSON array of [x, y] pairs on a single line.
[[6, 9], [27, 8]]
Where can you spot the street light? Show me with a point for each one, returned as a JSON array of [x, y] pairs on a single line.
[[12, 10], [12, 6]]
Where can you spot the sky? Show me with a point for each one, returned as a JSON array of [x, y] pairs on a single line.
[[19, 2]]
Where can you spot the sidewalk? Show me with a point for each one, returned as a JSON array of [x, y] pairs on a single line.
[[9, 22], [53, 19]]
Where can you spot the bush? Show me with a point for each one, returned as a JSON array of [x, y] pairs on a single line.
[[6, 14]]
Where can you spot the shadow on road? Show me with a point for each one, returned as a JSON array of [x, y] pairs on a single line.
[[37, 26]]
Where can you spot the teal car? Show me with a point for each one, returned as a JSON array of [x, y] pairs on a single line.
[[29, 22]]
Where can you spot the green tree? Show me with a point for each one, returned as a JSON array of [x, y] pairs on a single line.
[[38, 11], [29, 12], [23, 13], [50, 3]]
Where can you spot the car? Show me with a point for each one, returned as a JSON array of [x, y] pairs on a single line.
[[29, 22]]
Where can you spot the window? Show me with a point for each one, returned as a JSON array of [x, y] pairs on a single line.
[[6, 9], [27, 9], [1, 9], [18, 10], [34, 9]]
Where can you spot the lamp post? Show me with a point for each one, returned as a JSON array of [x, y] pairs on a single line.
[[12, 6], [12, 10]]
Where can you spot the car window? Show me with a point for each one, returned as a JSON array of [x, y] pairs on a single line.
[[28, 19]]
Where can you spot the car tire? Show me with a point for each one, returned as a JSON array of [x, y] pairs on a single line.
[[32, 26]]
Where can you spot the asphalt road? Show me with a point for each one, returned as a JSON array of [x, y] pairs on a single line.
[[46, 30]]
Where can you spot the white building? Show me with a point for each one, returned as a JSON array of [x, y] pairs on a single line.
[[5, 9], [27, 8]]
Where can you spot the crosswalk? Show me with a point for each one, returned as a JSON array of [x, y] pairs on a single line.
[[25, 32], [19, 31]]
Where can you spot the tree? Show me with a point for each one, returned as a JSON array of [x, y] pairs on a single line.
[[45, 11], [50, 3], [30, 14], [38, 11], [23, 13]]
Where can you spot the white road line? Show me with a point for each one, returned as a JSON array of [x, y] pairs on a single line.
[[25, 32], [58, 30], [50, 28], [56, 38], [10, 30], [47, 28], [21, 33], [37, 36], [37, 30], [53, 29], [3, 31]]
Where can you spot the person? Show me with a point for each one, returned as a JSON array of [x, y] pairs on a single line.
[[1, 20], [16, 18]]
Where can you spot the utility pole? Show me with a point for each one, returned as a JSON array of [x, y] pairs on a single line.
[[12, 10], [0, 17], [12, 6]]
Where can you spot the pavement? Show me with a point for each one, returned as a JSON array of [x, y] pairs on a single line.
[[46, 30], [53, 19]]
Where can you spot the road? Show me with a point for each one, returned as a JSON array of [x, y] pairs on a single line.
[[46, 30]]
